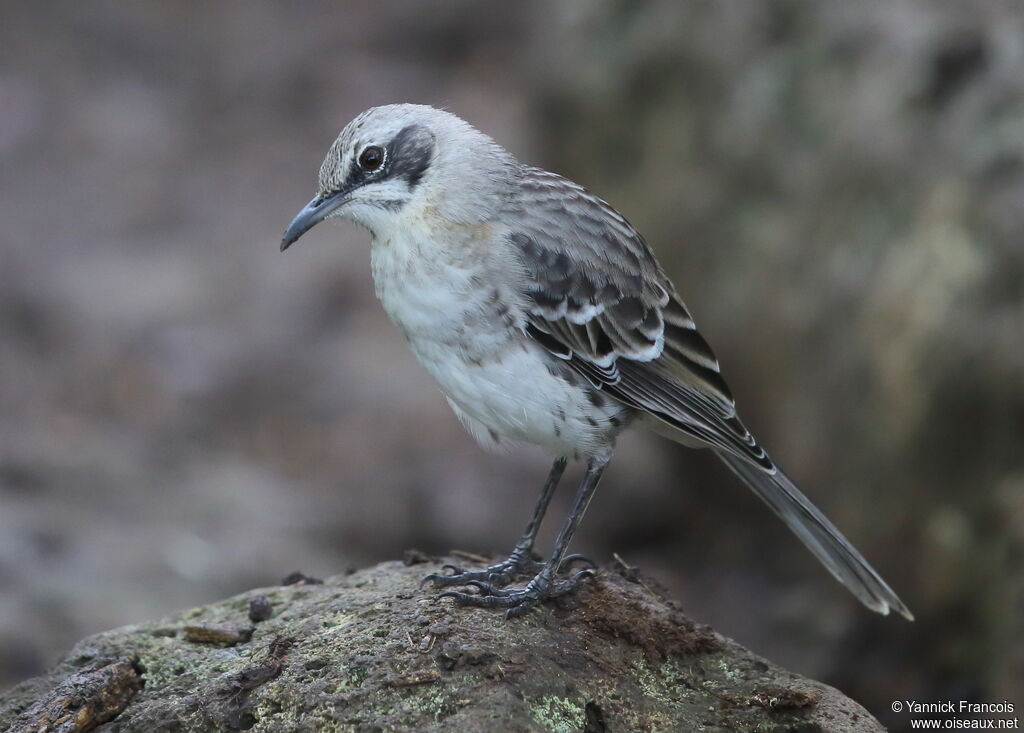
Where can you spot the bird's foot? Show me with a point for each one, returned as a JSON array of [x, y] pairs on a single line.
[[519, 564], [517, 601]]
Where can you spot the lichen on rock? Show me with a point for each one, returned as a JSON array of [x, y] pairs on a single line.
[[370, 651]]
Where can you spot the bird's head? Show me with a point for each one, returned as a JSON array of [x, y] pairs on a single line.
[[398, 159]]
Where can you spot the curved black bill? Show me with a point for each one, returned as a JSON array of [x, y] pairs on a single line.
[[315, 211]]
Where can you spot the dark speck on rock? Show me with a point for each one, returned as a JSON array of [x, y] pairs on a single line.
[[298, 578], [260, 608], [412, 556]]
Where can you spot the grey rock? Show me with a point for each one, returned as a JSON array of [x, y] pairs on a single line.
[[368, 651]]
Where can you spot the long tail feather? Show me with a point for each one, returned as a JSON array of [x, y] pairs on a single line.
[[819, 534]]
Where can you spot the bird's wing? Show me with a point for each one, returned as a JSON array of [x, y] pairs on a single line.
[[597, 298]]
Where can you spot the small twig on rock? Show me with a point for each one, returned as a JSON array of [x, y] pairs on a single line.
[[471, 556], [632, 573]]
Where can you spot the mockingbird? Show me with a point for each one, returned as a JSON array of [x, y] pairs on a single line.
[[545, 318]]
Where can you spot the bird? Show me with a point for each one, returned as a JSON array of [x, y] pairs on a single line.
[[546, 319]]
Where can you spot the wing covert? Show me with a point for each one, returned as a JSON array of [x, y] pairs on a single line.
[[597, 298]]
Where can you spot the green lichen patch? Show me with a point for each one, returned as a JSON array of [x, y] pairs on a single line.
[[558, 714]]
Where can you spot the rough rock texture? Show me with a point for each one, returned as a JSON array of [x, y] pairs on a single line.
[[368, 651]]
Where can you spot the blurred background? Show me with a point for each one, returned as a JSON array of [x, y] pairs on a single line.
[[837, 190]]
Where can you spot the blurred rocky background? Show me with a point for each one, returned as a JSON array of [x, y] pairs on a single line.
[[836, 188]]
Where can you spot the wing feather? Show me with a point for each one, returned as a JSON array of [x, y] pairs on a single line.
[[597, 298]]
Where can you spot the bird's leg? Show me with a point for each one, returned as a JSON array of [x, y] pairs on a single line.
[[521, 561], [544, 585]]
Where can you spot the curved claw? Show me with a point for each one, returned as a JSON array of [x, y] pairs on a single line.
[[577, 558], [457, 595], [571, 583], [457, 576], [471, 599], [437, 579], [486, 589]]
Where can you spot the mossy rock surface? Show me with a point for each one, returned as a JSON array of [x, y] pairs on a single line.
[[370, 651]]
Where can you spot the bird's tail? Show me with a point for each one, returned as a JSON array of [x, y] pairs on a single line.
[[819, 534]]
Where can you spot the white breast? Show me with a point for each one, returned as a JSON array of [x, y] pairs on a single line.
[[468, 334], [436, 297]]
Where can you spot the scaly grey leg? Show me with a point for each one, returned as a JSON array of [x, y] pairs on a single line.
[[543, 586], [521, 561]]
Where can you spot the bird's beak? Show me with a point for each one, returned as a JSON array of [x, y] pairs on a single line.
[[316, 211]]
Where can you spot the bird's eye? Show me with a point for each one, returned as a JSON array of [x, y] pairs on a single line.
[[372, 158]]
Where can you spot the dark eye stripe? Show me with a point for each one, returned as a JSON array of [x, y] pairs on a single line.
[[407, 156], [410, 154]]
